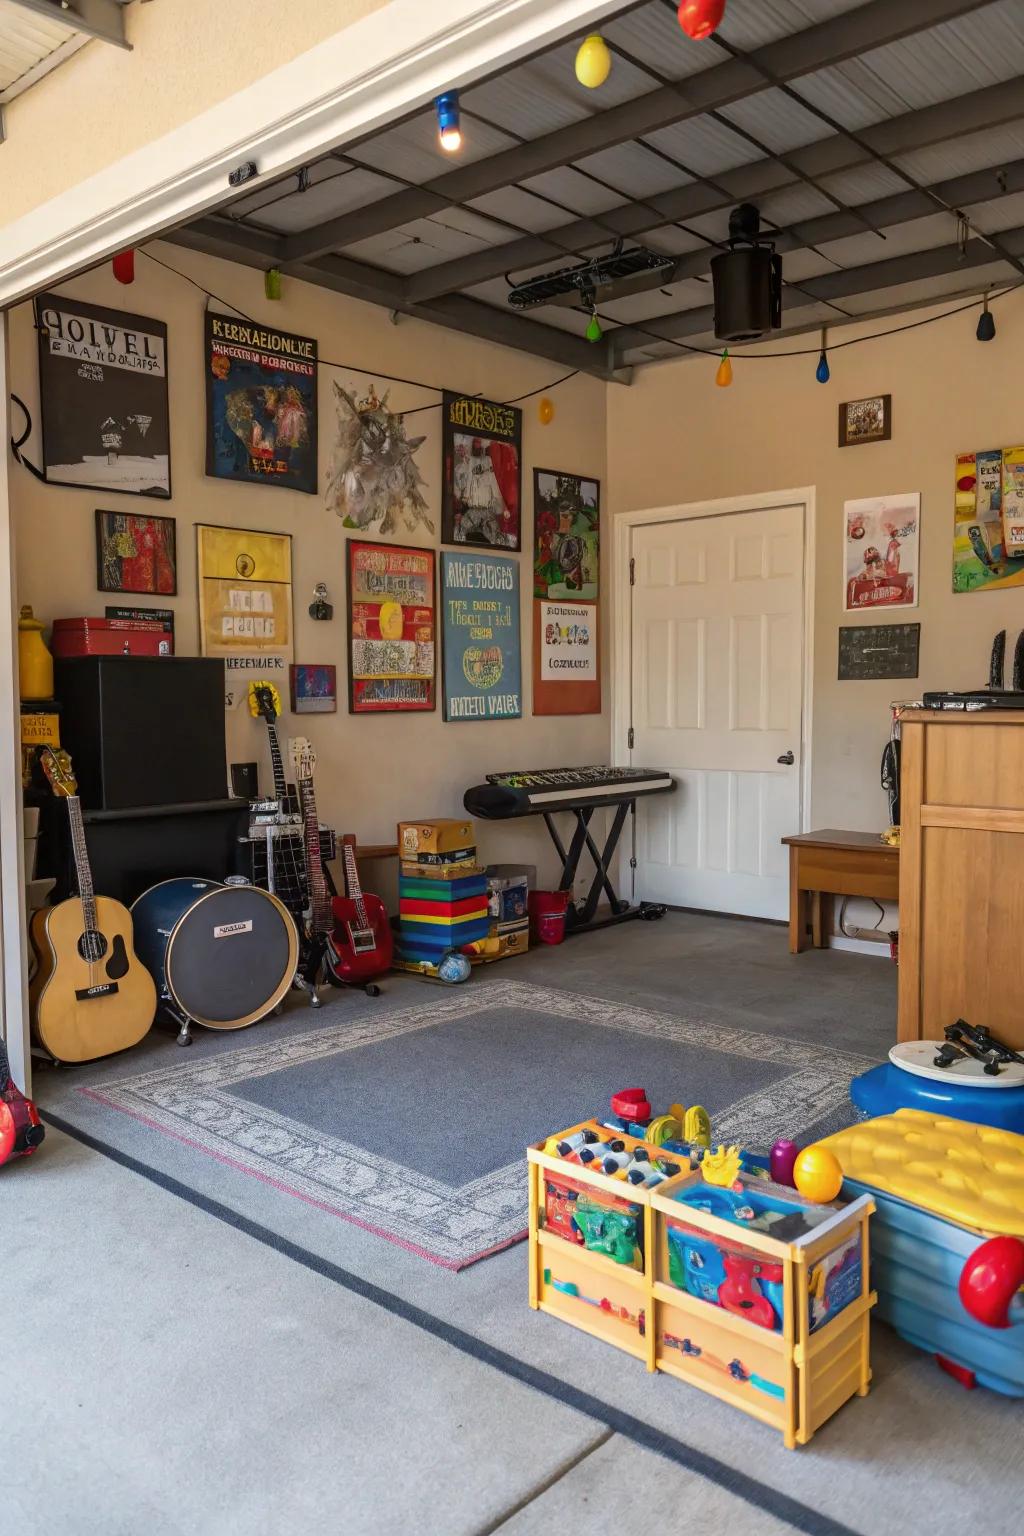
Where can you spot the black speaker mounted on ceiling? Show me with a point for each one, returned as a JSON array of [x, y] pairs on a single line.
[[747, 281]]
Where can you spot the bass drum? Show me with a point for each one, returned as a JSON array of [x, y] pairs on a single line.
[[221, 955]]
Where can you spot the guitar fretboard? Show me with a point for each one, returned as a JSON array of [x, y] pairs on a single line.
[[355, 890], [321, 916], [83, 871], [280, 787]]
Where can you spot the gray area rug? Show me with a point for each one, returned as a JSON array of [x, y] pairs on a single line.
[[411, 1121]]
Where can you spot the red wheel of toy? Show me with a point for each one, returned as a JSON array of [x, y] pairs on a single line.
[[8, 1132], [991, 1278]]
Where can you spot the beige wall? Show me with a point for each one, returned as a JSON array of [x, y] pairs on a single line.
[[119, 101], [673, 437], [372, 772]]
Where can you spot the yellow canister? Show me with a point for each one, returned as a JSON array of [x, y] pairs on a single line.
[[35, 664]]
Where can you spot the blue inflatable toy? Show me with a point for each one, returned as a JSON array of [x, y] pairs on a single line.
[[963, 1091]]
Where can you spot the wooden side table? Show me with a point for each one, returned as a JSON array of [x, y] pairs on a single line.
[[835, 863]]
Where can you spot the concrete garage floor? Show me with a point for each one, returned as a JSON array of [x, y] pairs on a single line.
[[182, 1359]]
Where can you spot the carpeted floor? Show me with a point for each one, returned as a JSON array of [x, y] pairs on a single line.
[[213, 1355]]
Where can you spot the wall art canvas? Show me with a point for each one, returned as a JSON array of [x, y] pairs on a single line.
[[566, 659], [480, 607], [481, 488], [865, 421], [261, 421], [314, 689], [245, 605], [566, 512], [880, 552], [988, 520], [136, 554], [392, 644], [103, 397], [374, 480]]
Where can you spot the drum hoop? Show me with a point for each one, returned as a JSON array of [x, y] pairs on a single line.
[[279, 991], [173, 880]]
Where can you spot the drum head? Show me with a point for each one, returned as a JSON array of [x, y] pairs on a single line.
[[231, 957]]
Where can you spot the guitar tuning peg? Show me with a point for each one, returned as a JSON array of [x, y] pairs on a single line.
[[320, 608]]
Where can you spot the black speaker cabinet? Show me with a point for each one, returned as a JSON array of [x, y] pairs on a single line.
[[144, 730]]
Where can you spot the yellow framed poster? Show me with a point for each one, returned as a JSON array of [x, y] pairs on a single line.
[[245, 605]]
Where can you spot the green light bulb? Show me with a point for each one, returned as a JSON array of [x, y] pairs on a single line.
[[594, 331]]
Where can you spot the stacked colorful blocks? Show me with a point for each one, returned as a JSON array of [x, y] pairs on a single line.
[[442, 894]]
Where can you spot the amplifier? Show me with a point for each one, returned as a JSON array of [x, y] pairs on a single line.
[[977, 698], [144, 730]]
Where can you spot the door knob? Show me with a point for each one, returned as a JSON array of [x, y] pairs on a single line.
[[787, 758]]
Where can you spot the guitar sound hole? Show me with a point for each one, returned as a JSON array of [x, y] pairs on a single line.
[[117, 965], [92, 946]]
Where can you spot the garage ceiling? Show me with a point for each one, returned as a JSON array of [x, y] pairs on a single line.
[[37, 35], [883, 142]]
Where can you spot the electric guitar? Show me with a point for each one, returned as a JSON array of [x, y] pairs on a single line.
[[350, 934], [91, 995], [21, 1130]]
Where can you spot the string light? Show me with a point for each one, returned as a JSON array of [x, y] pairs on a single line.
[[823, 373], [986, 323], [593, 62], [594, 331], [723, 378], [699, 18], [448, 126], [545, 411]]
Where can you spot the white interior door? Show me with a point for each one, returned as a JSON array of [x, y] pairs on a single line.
[[717, 633]]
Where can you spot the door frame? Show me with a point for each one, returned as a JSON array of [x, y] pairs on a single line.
[[622, 636]]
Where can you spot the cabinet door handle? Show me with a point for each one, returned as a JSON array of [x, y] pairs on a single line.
[[787, 758]]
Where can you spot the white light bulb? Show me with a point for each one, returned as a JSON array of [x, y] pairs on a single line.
[[451, 139]]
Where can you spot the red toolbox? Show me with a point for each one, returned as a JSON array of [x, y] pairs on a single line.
[[111, 637]]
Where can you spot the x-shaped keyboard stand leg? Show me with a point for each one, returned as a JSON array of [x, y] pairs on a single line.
[[581, 915]]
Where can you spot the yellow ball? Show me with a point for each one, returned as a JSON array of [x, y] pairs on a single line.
[[817, 1174], [593, 62]]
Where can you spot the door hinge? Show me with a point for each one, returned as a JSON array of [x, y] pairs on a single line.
[[632, 571], [630, 738]]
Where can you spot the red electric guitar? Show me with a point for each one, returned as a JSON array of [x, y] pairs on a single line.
[[20, 1128], [353, 931]]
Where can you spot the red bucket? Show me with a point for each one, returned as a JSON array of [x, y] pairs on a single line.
[[547, 915]]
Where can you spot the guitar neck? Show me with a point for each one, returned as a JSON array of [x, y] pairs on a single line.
[[319, 897], [280, 787], [355, 890], [83, 871]]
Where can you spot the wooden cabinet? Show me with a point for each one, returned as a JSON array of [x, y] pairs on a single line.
[[962, 873]]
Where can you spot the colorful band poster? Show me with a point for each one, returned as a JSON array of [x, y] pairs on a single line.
[[103, 398], [245, 606], [392, 628], [566, 560], [480, 606], [988, 520], [261, 423], [481, 487], [566, 661], [880, 553]]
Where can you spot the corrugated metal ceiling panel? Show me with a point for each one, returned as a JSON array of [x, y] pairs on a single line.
[[958, 157], [933, 289], [704, 146], [330, 195], [411, 149], [654, 36], [751, 24], [634, 171], [520, 207], [776, 120], [25, 41], [576, 194], [900, 240], [1001, 213], [863, 184]]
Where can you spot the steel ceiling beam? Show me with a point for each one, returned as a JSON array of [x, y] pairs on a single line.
[[101, 19], [975, 112], [233, 241], [829, 42], [873, 276]]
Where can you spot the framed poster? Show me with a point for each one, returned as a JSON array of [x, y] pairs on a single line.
[[481, 484], [136, 554], [245, 605], [988, 528], [261, 423], [566, 659], [480, 608], [566, 561], [868, 651], [880, 552], [103, 398], [392, 628], [373, 478], [314, 689], [865, 421]]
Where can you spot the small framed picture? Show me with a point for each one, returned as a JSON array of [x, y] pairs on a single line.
[[136, 554], [314, 689], [865, 421]]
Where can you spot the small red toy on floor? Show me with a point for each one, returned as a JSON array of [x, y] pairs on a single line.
[[21, 1130]]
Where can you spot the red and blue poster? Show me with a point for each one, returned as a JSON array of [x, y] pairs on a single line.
[[260, 404]]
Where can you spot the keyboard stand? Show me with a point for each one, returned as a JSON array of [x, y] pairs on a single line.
[[580, 917]]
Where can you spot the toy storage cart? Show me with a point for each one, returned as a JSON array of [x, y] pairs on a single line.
[[792, 1379]]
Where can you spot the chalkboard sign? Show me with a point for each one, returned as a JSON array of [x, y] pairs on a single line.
[[878, 650]]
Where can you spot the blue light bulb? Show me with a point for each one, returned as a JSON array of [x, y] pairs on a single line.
[[821, 373]]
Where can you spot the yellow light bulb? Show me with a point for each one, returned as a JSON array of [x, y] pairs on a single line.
[[451, 139], [593, 62], [723, 378], [546, 411]]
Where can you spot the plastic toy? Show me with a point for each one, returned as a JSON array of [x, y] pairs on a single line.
[[722, 1167], [963, 1088], [21, 1130], [606, 1230], [570, 1288], [631, 1112], [817, 1174], [735, 1369], [783, 1156]]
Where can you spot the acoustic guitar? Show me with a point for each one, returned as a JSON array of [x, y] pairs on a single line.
[[91, 995], [351, 934]]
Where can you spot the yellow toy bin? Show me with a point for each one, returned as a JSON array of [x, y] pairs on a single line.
[[793, 1375]]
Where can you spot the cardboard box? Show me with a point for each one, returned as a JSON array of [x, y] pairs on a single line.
[[432, 837], [458, 871]]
